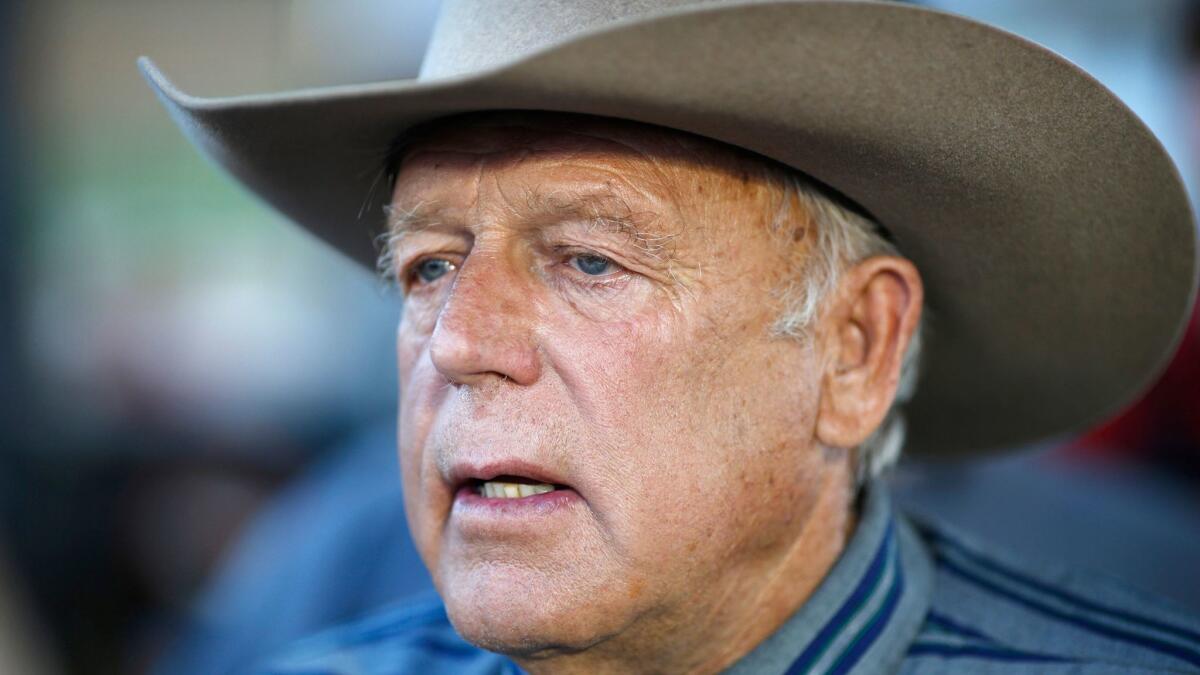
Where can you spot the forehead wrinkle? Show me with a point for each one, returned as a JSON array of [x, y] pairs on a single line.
[[427, 213], [658, 152], [674, 170], [677, 167], [609, 190], [605, 209]]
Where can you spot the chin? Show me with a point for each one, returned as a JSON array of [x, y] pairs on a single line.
[[521, 612]]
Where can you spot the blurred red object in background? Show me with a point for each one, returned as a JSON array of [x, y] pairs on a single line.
[[1164, 425]]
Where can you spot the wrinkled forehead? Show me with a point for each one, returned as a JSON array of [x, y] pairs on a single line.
[[530, 170]]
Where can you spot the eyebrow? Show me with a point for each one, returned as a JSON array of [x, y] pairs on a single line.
[[403, 221], [598, 209]]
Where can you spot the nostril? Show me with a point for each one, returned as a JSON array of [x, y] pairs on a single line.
[[470, 359]]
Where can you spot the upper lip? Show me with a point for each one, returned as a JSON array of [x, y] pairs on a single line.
[[462, 472]]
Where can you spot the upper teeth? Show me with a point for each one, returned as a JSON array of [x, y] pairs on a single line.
[[497, 490]]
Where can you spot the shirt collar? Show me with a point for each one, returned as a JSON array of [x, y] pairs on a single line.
[[864, 614]]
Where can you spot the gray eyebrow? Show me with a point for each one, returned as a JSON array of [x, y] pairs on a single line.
[[399, 223], [604, 210], [599, 209], [402, 221]]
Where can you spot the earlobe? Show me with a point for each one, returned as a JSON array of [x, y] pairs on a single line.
[[872, 319]]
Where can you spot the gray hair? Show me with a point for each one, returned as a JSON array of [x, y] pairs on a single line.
[[843, 238]]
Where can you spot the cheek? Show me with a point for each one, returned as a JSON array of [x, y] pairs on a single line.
[[412, 336], [615, 372], [419, 384], [709, 426], [629, 383]]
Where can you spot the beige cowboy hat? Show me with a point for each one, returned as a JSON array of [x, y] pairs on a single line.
[[1052, 230]]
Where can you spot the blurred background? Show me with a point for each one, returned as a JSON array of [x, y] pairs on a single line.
[[196, 446]]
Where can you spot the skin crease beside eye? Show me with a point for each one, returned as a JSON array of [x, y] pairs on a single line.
[[655, 390]]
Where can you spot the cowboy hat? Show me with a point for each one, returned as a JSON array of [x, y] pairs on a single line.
[[1052, 231]]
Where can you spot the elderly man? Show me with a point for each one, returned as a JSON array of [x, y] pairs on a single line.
[[663, 273]]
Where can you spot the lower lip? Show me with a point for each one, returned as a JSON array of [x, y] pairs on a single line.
[[468, 503]]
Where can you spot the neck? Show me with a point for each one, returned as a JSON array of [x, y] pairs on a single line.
[[723, 623]]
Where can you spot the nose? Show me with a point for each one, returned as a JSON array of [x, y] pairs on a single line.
[[485, 328]]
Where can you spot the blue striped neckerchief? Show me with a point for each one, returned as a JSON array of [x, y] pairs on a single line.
[[865, 612]]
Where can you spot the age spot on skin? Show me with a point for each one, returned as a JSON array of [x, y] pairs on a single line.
[[636, 587]]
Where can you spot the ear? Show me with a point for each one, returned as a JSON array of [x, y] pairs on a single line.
[[866, 330]]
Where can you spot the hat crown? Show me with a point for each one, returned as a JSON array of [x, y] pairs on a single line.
[[475, 35]]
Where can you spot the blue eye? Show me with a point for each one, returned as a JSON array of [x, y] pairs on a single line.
[[432, 269], [592, 265]]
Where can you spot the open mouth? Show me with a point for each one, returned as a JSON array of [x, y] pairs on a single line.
[[510, 498], [511, 487]]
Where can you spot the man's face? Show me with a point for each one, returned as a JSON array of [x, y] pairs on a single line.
[[588, 305]]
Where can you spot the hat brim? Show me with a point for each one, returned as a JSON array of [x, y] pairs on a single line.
[[1052, 231]]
